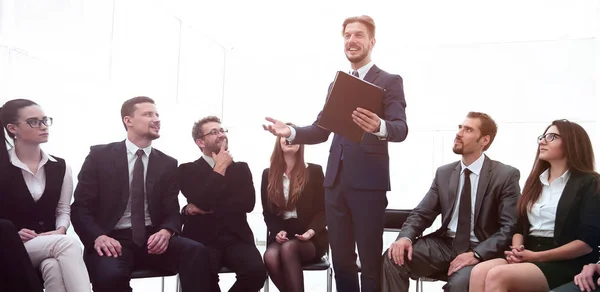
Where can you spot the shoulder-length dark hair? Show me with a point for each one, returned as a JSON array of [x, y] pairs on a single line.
[[577, 148]]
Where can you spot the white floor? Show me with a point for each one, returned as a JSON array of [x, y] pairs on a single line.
[[314, 282]]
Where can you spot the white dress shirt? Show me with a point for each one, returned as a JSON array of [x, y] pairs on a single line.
[[125, 221], [286, 195], [543, 212], [362, 72], [209, 160], [36, 183], [475, 169]]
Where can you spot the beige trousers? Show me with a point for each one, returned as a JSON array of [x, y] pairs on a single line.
[[60, 259]]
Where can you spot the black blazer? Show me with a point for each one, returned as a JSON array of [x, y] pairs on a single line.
[[310, 209], [230, 197], [366, 163], [103, 191], [495, 217], [577, 215]]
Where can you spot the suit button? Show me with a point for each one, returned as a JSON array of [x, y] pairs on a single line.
[[41, 222]]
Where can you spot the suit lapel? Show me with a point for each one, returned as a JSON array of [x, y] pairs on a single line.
[[122, 170], [565, 203], [372, 74], [484, 179], [452, 189]]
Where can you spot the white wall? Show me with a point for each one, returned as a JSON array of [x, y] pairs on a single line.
[[525, 63]]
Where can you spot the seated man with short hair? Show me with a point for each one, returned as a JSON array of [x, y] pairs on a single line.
[[220, 193], [477, 198]]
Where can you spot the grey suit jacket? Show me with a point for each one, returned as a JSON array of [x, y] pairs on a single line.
[[495, 217]]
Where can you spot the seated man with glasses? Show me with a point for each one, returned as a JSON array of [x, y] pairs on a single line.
[[220, 192]]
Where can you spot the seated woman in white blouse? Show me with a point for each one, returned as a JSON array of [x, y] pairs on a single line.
[[558, 229], [36, 193]]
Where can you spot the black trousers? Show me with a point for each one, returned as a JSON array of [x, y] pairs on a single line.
[[16, 271], [241, 257], [355, 216], [431, 257], [184, 256]]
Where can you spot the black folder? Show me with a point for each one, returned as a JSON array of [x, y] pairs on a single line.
[[348, 93]]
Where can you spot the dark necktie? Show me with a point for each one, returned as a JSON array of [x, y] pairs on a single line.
[[355, 74], [138, 216], [462, 239]]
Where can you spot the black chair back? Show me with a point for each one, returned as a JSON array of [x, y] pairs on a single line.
[[395, 218]]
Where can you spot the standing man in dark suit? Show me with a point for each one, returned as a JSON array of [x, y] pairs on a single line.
[[220, 192], [358, 174], [126, 210], [477, 198]]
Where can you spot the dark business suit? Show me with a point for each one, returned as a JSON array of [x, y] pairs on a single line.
[[494, 225], [310, 209], [101, 198], [16, 271], [577, 218], [225, 231], [355, 193]]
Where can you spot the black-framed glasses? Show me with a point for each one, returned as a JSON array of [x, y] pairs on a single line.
[[36, 123], [548, 137], [215, 132]]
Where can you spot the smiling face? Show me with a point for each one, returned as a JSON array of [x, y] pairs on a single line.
[[212, 137], [31, 127], [144, 121], [358, 43], [550, 145], [288, 149]]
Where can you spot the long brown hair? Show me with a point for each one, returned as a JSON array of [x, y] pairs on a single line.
[[298, 179], [578, 150]]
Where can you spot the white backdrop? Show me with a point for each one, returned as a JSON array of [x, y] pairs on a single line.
[[525, 63]]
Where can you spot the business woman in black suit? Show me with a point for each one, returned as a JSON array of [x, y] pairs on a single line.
[[558, 218], [293, 200], [35, 191]]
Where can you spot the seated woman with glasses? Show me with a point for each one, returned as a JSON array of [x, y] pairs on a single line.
[[558, 227], [293, 203], [36, 193]]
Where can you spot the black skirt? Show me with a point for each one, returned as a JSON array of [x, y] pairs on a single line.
[[292, 227], [557, 273]]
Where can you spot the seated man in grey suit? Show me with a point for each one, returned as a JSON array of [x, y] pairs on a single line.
[[477, 199], [587, 280]]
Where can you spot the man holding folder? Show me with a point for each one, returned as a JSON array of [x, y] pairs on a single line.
[[358, 175]]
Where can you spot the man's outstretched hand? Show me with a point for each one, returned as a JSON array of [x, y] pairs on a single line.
[[277, 128]]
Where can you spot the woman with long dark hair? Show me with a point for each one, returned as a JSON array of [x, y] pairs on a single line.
[[558, 229], [293, 201], [36, 193]]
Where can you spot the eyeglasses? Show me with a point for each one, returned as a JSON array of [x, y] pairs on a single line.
[[36, 123], [548, 137], [215, 132]]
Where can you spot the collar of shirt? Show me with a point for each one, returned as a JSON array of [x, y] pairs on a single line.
[[14, 159], [475, 167], [362, 71], [132, 148], [209, 160], [562, 179]]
